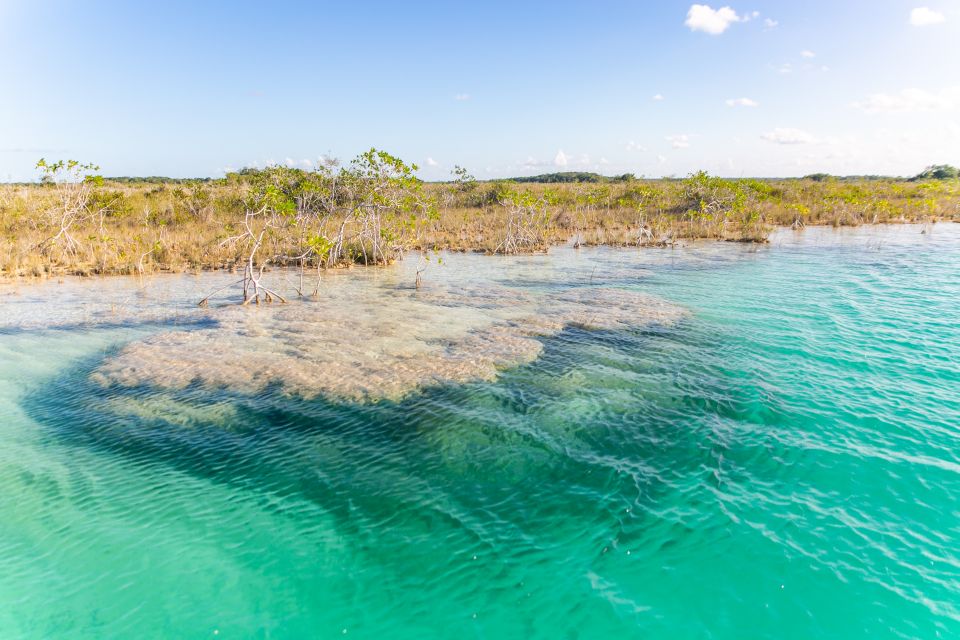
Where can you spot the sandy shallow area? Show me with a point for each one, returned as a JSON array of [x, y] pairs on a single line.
[[372, 343], [368, 335]]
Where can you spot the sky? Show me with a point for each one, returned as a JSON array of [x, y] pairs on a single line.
[[753, 88]]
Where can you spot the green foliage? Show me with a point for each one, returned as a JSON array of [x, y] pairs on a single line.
[[938, 172], [195, 197], [320, 246], [384, 184], [716, 203], [463, 178], [111, 203], [68, 171]]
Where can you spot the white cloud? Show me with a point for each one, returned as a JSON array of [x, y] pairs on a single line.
[[701, 17], [431, 162], [770, 24], [603, 160], [924, 16], [662, 159], [806, 53], [785, 68], [633, 146], [561, 160], [657, 97], [462, 96], [912, 100], [290, 162], [782, 135], [742, 102], [680, 141]]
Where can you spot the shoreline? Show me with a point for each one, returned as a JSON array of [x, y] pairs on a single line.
[[681, 243]]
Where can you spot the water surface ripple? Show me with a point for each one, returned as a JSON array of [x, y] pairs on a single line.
[[780, 460]]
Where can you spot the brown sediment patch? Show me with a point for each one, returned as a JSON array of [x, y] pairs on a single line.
[[367, 344]]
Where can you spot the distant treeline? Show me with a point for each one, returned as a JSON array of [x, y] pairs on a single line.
[[574, 176], [933, 172], [154, 180]]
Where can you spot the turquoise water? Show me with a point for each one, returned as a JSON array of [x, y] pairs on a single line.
[[781, 462]]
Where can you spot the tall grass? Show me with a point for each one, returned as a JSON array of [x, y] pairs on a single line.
[[153, 226]]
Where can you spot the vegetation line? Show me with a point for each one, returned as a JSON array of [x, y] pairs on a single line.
[[374, 208]]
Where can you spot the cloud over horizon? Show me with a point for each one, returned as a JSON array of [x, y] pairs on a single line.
[[910, 100]]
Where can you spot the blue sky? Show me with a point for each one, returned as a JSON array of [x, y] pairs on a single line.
[[653, 88]]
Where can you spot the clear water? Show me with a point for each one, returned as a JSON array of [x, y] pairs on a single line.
[[781, 462]]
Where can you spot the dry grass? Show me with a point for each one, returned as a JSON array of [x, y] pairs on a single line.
[[150, 227]]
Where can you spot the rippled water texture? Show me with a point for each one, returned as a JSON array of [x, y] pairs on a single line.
[[722, 441]]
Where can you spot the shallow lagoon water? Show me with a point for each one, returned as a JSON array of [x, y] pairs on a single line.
[[751, 442]]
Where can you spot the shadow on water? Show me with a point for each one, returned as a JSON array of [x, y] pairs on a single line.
[[590, 431]]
